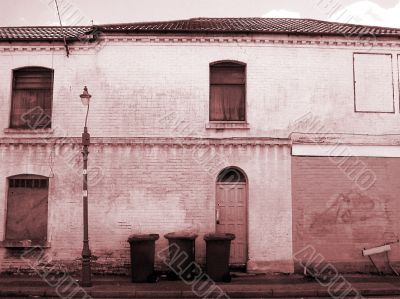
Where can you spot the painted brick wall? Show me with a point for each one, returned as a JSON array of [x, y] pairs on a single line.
[[135, 85], [162, 90], [338, 217], [152, 189]]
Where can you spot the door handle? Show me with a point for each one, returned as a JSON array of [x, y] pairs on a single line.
[[217, 216]]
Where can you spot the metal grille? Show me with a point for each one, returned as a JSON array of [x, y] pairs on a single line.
[[28, 183]]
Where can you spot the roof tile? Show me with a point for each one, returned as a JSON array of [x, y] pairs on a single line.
[[50, 33], [202, 25], [252, 25]]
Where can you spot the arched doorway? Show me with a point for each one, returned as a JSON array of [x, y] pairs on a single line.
[[231, 211]]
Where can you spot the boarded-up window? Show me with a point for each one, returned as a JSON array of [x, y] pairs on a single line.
[[27, 208], [227, 92], [373, 83], [32, 98]]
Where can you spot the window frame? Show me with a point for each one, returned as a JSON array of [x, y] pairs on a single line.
[[23, 243], [11, 128], [355, 81], [228, 63]]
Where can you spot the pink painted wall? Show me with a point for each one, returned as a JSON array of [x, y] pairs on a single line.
[[338, 217]]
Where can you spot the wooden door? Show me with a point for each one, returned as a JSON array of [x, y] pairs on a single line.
[[231, 217]]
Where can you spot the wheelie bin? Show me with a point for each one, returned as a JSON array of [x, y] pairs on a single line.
[[142, 257], [217, 255], [182, 255]]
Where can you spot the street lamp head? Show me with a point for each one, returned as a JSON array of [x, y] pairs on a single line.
[[85, 97]]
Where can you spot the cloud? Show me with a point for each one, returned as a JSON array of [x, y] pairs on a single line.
[[281, 13], [368, 13]]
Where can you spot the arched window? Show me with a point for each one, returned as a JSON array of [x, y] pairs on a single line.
[[227, 91], [27, 209], [32, 96]]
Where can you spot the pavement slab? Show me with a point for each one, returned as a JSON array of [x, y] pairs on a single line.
[[250, 286]]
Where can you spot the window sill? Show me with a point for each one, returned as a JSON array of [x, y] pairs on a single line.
[[229, 125], [24, 244], [28, 131]]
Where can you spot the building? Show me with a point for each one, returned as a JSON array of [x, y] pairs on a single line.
[[282, 131]]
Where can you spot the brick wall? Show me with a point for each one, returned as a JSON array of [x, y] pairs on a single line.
[[161, 89], [338, 217], [148, 188], [135, 85]]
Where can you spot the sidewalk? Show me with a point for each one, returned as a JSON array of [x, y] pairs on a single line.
[[243, 286]]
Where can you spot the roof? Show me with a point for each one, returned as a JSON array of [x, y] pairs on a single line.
[[253, 25], [46, 33], [202, 25]]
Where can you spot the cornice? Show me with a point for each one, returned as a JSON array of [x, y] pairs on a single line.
[[147, 141], [345, 139], [258, 40], [12, 48], [295, 138], [255, 40]]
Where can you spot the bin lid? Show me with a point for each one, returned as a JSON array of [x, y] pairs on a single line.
[[219, 236], [143, 237], [181, 235]]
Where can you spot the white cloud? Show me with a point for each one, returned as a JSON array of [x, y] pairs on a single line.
[[368, 13], [281, 13]]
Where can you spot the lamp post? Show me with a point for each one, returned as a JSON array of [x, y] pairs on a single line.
[[86, 254]]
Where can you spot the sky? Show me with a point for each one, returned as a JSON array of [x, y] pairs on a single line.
[[83, 12]]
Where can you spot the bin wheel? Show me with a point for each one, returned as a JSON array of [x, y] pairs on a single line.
[[172, 276], [152, 278], [227, 278]]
